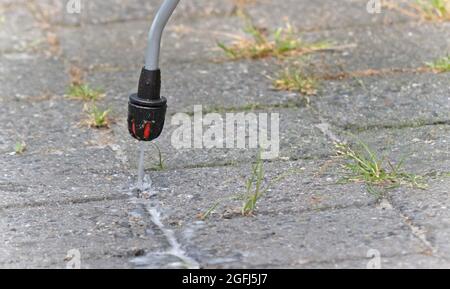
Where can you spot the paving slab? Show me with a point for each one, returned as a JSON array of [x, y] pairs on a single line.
[[428, 208], [424, 150], [62, 161], [385, 101], [400, 46], [41, 237], [19, 31], [44, 122], [321, 14], [25, 75], [299, 239], [428, 211], [69, 177]]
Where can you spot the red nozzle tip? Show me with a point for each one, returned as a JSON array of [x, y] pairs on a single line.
[[147, 130]]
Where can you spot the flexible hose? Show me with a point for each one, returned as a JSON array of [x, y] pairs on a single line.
[[155, 34]]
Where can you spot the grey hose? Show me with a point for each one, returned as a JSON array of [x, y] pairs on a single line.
[[156, 31]]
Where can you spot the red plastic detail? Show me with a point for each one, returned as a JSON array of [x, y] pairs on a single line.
[[133, 127], [147, 130]]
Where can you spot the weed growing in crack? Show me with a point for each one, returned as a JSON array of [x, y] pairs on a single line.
[[378, 173], [255, 188], [20, 148], [279, 43], [435, 9], [160, 166], [440, 65], [97, 118], [84, 93], [297, 81]]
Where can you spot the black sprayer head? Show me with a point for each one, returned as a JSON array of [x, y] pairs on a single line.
[[147, 109]]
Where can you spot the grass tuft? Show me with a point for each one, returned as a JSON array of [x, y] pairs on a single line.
[[161, 165], [97, 118], [20, 148], [279, 43], [435, 9], [255, 188], [84, 92], [296, 80], [440, 65], [378, 173]]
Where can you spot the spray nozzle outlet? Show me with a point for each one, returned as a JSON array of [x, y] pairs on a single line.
[[147, 109]]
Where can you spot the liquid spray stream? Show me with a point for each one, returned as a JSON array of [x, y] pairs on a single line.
[[141, 169], [145, 187]]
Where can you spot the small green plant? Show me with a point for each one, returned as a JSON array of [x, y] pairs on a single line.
[[435, 9], [160, 166], [84, 92], [205, 215], [379, 174], [441, 64], [296, 80], [283, 42], [97, 118], [20, 148], [254, 187], [254, 190]]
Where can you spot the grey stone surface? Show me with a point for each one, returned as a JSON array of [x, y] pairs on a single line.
[[306, 186], [428, 213], [423, 150], [72, 188], [63, 160], [410, 45], [321, 14], [316, 236], [396, 101], [426, 207], [40, 237], [48, 76], [18, 30], [60, 178]]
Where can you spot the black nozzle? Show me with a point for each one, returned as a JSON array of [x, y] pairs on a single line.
[[147, 109]]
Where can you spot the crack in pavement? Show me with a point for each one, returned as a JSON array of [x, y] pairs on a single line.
[[76, 201], [418, 231], [418, 124], [175, 248]]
